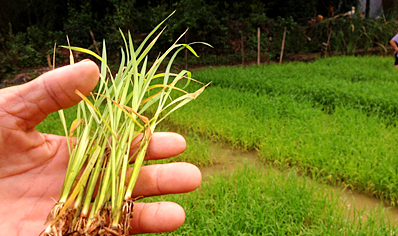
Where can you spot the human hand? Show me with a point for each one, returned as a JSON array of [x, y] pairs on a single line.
[[33, 164]]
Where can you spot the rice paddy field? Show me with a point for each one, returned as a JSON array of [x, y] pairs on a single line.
[[307, 127]]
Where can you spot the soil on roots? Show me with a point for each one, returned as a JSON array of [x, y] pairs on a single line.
[[70, 223]]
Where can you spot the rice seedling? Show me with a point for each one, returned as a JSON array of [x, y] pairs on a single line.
[[265, 108], [113, 130], [198, 151], [370, 85], [263, 201]]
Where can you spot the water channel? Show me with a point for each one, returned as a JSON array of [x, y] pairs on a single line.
[[227, 160]]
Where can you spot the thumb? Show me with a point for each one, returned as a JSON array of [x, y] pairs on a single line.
[[30, 103]]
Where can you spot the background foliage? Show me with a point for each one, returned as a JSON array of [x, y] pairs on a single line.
[[29, 29]]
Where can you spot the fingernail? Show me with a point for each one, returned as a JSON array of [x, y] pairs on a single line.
[[85, 60]]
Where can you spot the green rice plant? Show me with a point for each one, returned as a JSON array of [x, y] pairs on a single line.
[[370, 85], [198, 150], [263, 201], [96, 195], [343, 145]]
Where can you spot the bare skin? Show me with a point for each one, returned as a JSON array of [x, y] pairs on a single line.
[[33, 164]]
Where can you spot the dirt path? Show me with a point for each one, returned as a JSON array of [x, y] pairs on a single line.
[[227, 160]]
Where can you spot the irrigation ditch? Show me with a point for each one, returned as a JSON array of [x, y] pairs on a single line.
[[227, 159]]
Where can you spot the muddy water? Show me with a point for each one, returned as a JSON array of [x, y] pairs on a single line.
[[363, 203], [227, 160]]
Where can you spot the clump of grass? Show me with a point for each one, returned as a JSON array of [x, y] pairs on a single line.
[[112, 130]]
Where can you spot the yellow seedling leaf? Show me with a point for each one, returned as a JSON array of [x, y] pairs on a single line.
[[122, 107], [160, 75], [143, 118], [71, 59], [181, 100], [164, 88], [94, 111], [74, 126]]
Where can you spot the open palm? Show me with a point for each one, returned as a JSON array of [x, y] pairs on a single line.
[[33, 164]]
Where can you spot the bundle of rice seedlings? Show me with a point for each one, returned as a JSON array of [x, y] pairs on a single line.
[[96, 197]]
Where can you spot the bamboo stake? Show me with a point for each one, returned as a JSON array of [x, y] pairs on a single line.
[[49, 61], [329, 30], [258, 46], [95, 43], [243, 48], [186, 54], [283, 45]]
